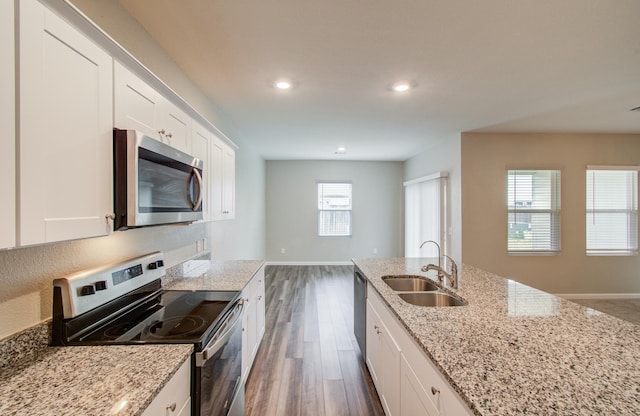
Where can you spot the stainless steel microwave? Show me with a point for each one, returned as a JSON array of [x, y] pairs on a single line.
[[154, 183]]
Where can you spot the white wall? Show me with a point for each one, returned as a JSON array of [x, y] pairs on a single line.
[[443, 157], [26, 273], [485, 158], [292, 210]]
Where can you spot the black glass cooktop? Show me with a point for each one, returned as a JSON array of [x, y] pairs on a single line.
[[170, 317]]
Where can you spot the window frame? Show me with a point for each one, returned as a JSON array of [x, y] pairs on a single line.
[[555, 212], [632, 234], [320, 183]]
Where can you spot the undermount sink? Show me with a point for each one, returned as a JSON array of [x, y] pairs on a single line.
[[432, 299], [409, 283]]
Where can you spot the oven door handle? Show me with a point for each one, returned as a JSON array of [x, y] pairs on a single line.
[[231, 321]]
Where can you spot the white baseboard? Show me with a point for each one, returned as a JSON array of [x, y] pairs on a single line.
[[599, 295], [309, 263]]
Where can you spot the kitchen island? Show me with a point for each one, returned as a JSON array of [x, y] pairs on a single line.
[[515, 350]]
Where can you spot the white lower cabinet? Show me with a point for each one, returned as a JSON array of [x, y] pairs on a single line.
[[414, 398], [175, 397], [407, 382], [383, 359], [252, 320]]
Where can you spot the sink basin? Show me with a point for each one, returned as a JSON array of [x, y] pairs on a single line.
[[432, 299], [409, 283]]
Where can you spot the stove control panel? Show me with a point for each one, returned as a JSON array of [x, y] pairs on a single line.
[[88, 289]]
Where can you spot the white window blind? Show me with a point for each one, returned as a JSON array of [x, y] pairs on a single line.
[[426, 215], [533, 200], [612, 211], [334, 209]]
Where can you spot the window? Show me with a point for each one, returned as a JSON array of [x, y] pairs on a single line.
[[426, 204], [612, 211], [533, 202], [334, 209]]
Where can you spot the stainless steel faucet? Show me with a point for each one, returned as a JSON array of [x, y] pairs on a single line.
[[452, 279], [437, 245]]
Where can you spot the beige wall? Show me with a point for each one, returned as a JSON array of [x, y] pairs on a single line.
[[485, 158]]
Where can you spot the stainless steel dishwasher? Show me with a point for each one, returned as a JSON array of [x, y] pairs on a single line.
[[360, 311]]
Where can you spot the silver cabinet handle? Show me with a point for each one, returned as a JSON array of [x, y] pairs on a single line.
[[171, 407], [169, 135]]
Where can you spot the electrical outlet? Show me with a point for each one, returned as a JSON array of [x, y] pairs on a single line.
[[283, 251]]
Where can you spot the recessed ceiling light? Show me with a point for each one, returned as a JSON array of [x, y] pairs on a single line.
[[340, 150], [403, 86], [283, 84]]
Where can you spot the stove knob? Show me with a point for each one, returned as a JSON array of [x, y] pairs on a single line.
[[87, 290], [154, 265], [101, 285]]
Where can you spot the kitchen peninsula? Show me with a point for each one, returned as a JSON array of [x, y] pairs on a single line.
[[515, 350]]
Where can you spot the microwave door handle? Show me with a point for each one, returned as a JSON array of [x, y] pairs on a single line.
[[219, 341], [196, 205]]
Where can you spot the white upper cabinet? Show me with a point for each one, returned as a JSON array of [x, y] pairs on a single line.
[[135, 102], [201, 148], [138, 106], [223, 178], [65, 130], [7, 121], [174, 125]]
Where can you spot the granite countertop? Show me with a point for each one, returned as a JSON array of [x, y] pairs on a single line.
[[211, 274], [117, 380], [515, 350], [103, 380]]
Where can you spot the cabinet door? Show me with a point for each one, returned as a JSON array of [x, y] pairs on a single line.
[[222, 180], [135, 102], [248, 327], [175, 126], [414, 399], [7, 121], [66, 120], [260, 310], [174, 396], [229, 183], [201, 148], [373, 346], [390, 372]]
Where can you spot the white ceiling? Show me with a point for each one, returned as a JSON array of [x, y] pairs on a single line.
[[490, 65]]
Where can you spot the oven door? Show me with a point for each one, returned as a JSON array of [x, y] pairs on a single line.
[[154, 183], [218, 369]]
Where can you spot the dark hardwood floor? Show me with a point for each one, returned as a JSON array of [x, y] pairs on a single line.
[[309, 362]]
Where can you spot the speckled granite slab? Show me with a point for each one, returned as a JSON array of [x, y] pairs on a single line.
[[25, 346], [106, 380], [203, 274], [515, 350]]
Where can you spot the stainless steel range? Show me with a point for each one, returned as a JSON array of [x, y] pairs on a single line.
[[125, 303]]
